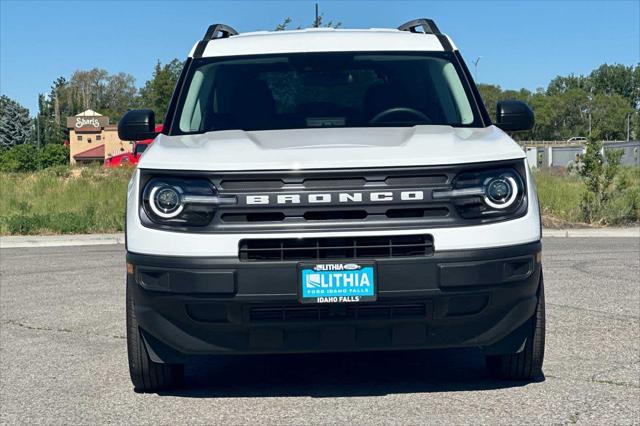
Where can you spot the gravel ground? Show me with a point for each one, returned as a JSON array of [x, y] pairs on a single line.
[[63, 356]]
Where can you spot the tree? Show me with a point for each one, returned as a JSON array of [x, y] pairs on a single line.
[[615, 79], [119, 95], [48, 130], [15, 124], [88, 87], [575, 105], [571, 113], [609, 116], [562, 84], [95, 89], [156, 93], [316, 23], [283, 25], [545, 117], [491, 94]]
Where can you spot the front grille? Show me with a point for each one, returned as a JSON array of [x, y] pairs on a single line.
[[326, 313], [283, 201], [281, 249], [346, 199]]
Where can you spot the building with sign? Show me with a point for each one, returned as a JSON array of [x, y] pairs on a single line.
[[92, 139]]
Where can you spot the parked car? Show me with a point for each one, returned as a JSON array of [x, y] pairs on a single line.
[[577, 139], [131, 158], [326, 190]]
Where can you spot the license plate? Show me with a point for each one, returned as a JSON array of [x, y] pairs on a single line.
[[337, 282]]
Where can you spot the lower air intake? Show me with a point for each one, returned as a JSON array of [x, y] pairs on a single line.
[[283, 249]]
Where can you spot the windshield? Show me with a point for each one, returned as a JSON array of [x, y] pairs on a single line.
[[293, 91]]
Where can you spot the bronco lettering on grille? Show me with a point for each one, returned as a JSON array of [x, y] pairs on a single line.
[[337, 197]]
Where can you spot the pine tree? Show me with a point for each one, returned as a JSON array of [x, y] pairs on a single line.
[[15, 124], [156, 93], [47, 129]]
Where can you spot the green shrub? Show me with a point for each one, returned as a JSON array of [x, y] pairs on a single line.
[[60, 171], [564, 197], [599, 175], [53, 155], [28, 158], [20, 158]]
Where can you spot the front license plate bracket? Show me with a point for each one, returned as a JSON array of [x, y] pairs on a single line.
[[337, 282]]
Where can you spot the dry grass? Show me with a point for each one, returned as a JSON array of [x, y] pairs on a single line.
[[63, 201]]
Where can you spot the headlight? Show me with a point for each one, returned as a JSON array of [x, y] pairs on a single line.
[[166, 201], [500, 192], [181, 201], [486, 194]]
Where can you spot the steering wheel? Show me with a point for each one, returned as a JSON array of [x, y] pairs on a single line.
[[387, 112]]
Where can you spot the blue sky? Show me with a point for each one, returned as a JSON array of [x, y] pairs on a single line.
[[522, 43]]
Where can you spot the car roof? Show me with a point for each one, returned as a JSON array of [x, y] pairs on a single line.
[[323, 40]]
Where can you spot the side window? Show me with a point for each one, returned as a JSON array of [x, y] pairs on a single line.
[[198, 101], [191, 118], [457, 92], [79, 137]]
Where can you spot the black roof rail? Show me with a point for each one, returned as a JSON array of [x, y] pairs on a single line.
[[214, 32], [219, 31], [428, 26]]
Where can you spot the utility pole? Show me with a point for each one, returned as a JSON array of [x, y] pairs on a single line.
[[316, 23], [628, 127], [475, 68], [38, 129], [590, 108]]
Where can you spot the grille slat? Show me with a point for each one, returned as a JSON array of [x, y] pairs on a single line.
[[324, 313], [287, 215], [335, 248]]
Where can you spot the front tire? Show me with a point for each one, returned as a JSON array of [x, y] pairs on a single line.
[[146, 375], [526, 364]]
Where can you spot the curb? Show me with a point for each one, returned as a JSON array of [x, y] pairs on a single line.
[[20, 241], [592, 233]]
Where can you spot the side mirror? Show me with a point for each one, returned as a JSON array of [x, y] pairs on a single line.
[[514, 116], [137, 125]]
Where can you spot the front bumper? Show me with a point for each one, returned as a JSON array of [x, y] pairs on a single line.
[[462, 298]]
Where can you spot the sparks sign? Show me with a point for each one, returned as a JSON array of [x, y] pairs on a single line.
[[87, 122]]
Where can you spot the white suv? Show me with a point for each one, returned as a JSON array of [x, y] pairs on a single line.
[[331, 190]]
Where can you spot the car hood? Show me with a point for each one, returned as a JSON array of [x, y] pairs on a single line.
[[329, 148]]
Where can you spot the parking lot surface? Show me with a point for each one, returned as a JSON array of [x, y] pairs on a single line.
[[63, 356]]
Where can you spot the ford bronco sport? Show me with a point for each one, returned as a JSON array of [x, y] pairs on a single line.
[[327, 190]]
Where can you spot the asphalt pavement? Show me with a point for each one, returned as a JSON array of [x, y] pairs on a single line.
[[63, 356]]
